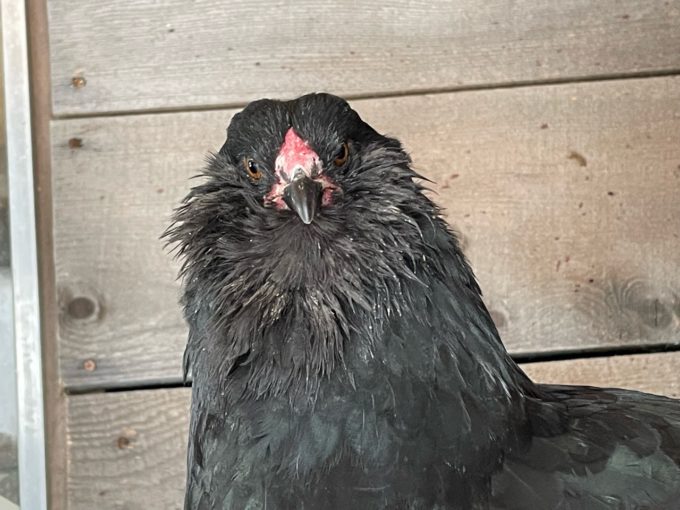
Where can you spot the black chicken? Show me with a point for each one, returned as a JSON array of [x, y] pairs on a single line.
[[342, 357]]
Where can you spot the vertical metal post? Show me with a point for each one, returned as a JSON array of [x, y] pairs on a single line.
[[31, 434]]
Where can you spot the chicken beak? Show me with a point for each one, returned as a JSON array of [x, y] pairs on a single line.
[[303, 196]]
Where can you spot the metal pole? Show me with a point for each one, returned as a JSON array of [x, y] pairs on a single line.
[[31, 433]]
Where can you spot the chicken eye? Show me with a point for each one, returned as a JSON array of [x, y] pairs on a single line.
[[342, 155], [253, 169]]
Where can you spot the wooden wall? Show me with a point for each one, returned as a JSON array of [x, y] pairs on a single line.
[[551, 130]]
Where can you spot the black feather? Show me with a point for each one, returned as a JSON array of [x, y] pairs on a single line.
[[351, 363]]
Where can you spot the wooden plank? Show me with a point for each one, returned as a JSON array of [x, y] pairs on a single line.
[[150, 54], [55, 400], [113, 197], [652, 373], [127, 449], [566, 197]]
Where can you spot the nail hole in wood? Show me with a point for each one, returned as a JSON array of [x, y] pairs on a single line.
[[89, 365], [75, 143], [78, 82]]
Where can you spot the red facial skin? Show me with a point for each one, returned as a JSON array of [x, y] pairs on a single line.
[[297, 158]]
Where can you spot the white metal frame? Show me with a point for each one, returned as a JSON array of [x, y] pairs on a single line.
[[30, 411]]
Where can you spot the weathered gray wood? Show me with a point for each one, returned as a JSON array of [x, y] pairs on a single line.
[[652, 373], [566, 197], [149, 54], [119, 318], [127, 450], [55, 400]]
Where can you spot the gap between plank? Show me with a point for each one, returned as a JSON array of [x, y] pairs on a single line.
[[598, 352], [388, 95]]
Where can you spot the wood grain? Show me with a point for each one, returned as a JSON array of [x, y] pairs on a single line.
[[127, 449], [566, 198], [652, 373], [53, 394], [114, 195], [150, 54]]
